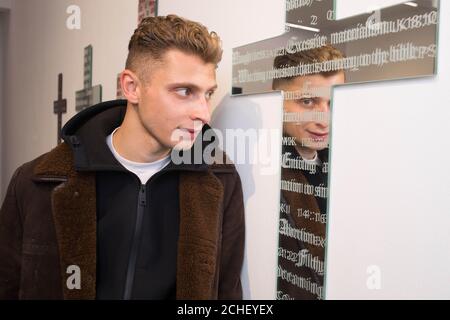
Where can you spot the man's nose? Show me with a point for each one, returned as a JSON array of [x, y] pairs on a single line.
[[201, 111], [323, 108]]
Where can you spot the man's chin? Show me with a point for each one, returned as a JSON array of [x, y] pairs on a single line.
[[321, 147], [318, 146], [183, 145]]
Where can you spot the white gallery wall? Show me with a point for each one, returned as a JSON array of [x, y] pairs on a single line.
[[3, 17], [40, 47], [389, 208], [5, 6]]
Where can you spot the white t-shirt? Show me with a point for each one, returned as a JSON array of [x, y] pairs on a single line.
[[315, 161], [143, 170]]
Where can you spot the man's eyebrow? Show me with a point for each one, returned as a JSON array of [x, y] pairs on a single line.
[[190, 85]]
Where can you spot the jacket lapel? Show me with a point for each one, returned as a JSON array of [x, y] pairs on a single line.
[[74, 213], [201, 196]]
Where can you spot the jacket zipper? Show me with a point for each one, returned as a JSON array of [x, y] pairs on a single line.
[[142, 203]]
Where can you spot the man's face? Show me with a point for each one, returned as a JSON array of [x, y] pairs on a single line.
[[175, 101], [308, 100]]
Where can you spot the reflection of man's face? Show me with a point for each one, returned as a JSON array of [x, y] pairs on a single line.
[[309, 98]]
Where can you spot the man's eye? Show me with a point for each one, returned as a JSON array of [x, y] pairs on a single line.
[[209, 95], [183, 91], [308, 102]]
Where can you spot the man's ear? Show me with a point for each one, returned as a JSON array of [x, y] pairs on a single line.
[[130, 86]]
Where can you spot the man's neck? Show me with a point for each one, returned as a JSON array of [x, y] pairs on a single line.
[[306, 153], [134, 143]]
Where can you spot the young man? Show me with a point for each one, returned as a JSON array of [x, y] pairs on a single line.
[[304, 173], [108, 214]]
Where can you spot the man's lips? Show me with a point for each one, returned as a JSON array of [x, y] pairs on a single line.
[[192, 132], [318, 135]]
